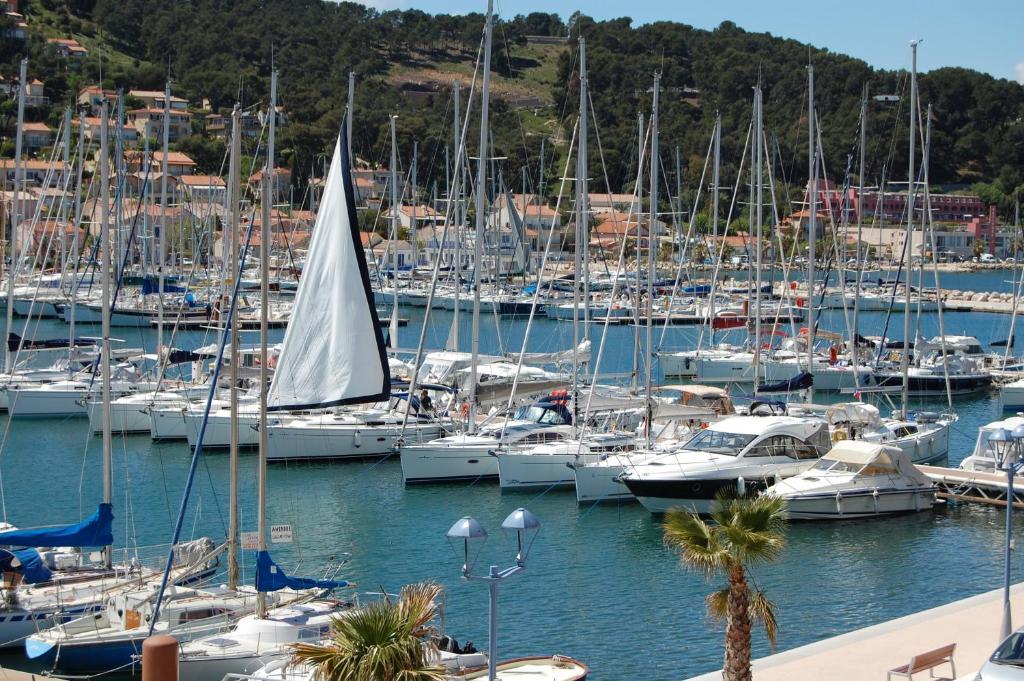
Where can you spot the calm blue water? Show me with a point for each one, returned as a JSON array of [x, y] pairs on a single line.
[[600, 584]]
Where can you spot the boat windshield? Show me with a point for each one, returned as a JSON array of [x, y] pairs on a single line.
[[719, 442], [833, 466], [537, 414], [1010, 651]]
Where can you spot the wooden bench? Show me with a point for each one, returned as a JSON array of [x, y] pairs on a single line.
[[927, 662]]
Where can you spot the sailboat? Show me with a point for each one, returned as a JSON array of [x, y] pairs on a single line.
[[334, 296]]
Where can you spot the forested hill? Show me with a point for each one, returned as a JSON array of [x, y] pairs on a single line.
[[405, 60]]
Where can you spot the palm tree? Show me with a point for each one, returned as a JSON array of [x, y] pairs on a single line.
[[383, 641], [743, 532]]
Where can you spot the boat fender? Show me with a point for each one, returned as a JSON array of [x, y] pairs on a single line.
[[357, 439], [874, 497], [839, 503], [741, 486]]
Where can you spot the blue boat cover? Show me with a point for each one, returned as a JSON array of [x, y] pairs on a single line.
[[801, 381], [96, 530], [269, 577], [33, 569]]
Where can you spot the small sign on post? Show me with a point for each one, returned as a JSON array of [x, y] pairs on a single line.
[[250, 540], [280, 534]]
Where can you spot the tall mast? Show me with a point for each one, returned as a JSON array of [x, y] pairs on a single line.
[[412, 202], [911, 186], [635, 380], [348, 114], [261, 490], [714, 219], [66, 158], [393, 248], [235, 207], [577, 279], [108, 475], [12, 273], [755, 181], [860, 233], [161, 258], [74, 244], [812, 233], [481, 206], [455, 213], [582, 211], [651, 271]]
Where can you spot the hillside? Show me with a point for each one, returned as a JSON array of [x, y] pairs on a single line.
[[406, 60]]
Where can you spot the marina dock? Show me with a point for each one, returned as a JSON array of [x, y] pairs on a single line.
[[867, 654], [974, 486]]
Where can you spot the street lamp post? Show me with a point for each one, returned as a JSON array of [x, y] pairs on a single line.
[[1007, 446], [526, 526]]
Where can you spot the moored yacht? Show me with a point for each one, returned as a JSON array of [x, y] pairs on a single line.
[[741, 453], [856, 479]]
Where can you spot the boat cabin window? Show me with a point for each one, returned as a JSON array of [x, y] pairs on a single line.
[[784, 446], [719, 442], [199, 614], [904, 430], [549, 416]]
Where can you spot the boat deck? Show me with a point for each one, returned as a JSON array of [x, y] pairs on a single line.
[[867, 654]]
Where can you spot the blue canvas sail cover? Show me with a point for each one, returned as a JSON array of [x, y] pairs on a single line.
[[96, 530], [801, 381], [269, 577], [32, 568]]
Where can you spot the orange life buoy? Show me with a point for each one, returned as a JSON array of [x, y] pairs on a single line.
[[464, 409]]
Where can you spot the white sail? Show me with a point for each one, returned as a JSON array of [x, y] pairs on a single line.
[[333, 350]]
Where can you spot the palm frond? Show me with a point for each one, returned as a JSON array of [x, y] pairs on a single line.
[[762, 610], [718, 604], [417, 604], [753, 527], [380, 641], [696, 542]]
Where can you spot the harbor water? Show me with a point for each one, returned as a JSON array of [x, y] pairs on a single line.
[[600, 585]]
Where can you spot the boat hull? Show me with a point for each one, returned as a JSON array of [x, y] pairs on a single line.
[[855, 504], [301, 441], [426, 464]]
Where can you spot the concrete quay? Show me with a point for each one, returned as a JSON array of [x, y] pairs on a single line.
[[867, 654]]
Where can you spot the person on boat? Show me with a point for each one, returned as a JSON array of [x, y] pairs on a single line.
[[426, 404]]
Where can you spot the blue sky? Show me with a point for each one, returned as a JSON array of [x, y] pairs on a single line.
[[986, 35]]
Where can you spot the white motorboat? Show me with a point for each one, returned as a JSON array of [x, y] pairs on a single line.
[[740, 453], [984, 457], [254, 641], [597, 480], [856, 479], [1012, 395], [467, 456], [548, 464]]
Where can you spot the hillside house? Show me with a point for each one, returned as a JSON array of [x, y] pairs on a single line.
[[68, 47], [154, 99], [150, 123], [178, 163], [35, 136], [92, 98], [33, 171]]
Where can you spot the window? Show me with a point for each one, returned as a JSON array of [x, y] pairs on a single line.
[[719, 442]]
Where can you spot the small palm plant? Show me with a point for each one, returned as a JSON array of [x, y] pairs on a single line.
[[742, 532], [383, 641]]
